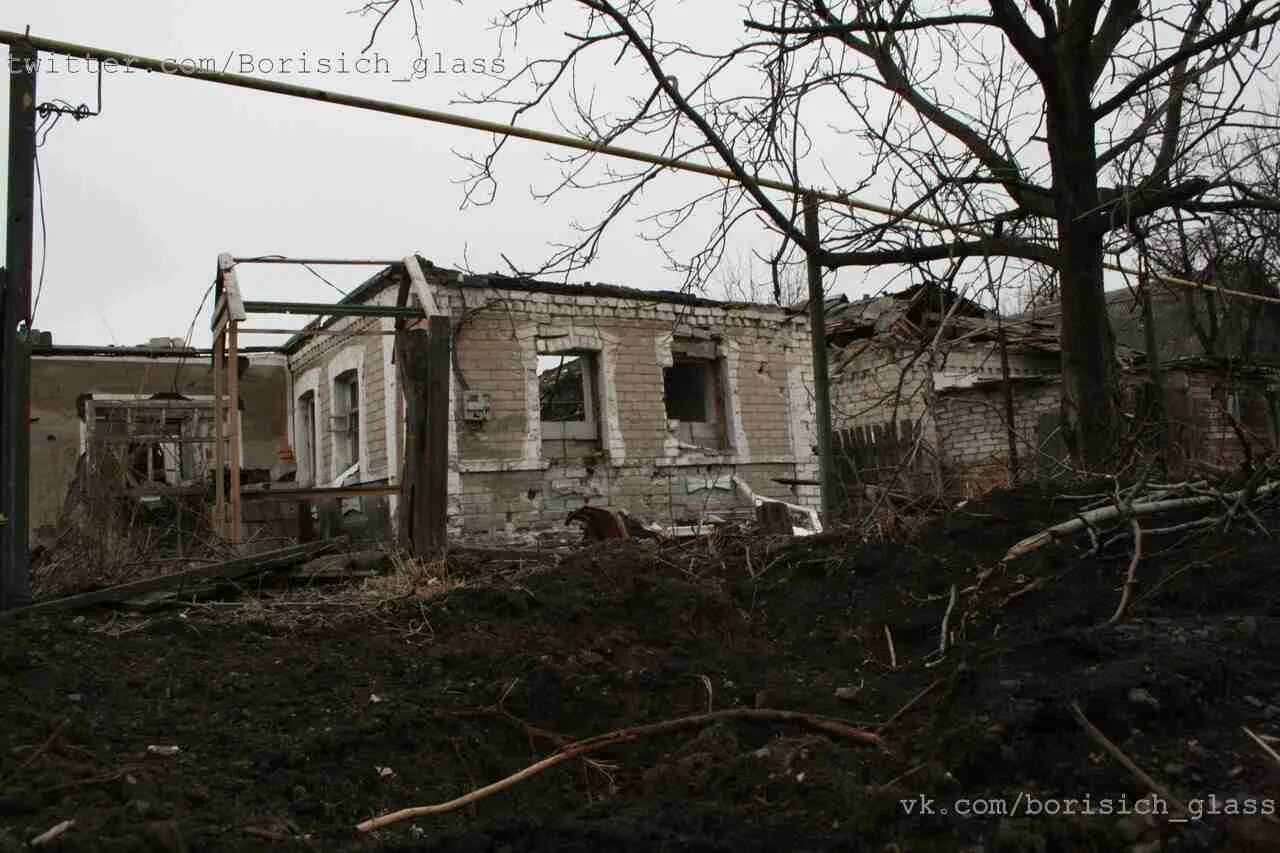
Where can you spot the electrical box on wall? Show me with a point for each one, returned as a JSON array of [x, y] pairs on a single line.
[[475, 407]]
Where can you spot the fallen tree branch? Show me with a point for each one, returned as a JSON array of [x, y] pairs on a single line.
[[571, 751], [1096, 735], [944, 641], [1266, 747], [1131, 576], [911, 703], [1137, 509], [53, 833]]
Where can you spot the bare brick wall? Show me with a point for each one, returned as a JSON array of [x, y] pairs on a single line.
[[974, 438], [1197, 403], [961, 425], [502, 472]]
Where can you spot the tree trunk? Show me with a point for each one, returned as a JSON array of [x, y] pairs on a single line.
[[1088, 351]]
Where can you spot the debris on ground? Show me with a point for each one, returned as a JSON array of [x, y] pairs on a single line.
[[1015, 705]]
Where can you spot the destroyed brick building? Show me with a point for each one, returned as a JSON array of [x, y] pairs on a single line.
[[933, 391], [670, 407], [148, 406]]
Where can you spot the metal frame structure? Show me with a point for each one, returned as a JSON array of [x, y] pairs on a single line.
[[230, 310]]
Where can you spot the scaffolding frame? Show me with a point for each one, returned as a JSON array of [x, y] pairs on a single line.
[[230, 310]]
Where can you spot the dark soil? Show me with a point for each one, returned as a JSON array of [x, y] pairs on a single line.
[[282, 727]]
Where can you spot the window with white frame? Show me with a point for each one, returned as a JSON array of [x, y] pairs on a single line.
[[693, 387], [345, 421], [567, 400]]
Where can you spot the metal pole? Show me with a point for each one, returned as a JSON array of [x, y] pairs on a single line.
[[821, 380], [319, 262], [15, 318]]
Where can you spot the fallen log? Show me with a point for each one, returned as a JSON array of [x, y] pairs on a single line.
[[227, 570], [571, 751], [1114, 512]]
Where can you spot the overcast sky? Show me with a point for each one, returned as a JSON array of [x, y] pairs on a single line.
[[140, 200]]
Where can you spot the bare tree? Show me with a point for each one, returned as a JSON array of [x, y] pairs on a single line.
[[1037, 131], [1227, 246]]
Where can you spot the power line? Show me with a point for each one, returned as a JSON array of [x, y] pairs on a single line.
[[303, 264], [171, 68], [44, 238]]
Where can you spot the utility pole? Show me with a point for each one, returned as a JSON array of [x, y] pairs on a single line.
[[15, 329], [821, 380]]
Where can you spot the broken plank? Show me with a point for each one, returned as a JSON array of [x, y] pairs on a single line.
[[227, 570]]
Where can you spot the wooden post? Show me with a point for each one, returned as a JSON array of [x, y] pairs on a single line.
[[219, 437], [1010, 411], [425, 363], [821, 380], [233, 407], [306, 524], [15, 346]]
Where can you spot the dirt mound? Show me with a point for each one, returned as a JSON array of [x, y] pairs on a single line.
[[289, 731]]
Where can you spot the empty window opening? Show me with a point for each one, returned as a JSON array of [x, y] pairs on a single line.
[[567, 390], [687, 385], [693, 388], [345, 424]]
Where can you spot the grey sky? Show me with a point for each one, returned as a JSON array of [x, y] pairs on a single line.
[[140, 200]]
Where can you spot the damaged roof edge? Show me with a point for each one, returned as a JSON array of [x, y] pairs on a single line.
[[496, 281]]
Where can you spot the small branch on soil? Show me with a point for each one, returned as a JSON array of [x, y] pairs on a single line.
[[52, 833], [570, 751], [1096, 735], [1131, 576], [1135, 509], [1029, 586], [911, 703], [903, 776], [944, 641], [893, 653], [1266, 747], [39, 750], [711, 693]]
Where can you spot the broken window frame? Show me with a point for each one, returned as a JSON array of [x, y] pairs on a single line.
[[587, 429], [711, 432], [344, 404], [308, 457], [178, 450]]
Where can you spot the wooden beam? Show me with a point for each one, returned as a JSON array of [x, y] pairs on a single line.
[[231, 288], [227, 570], [219, 437], [319, 492], [318, 262], [418, 281], [325, 309], [233, 404], [309, 332], [425, 365]]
